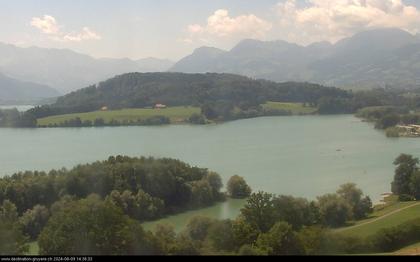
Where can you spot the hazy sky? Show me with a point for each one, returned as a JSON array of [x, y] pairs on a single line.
[[174, 28]]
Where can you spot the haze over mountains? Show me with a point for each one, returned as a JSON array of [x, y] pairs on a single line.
[[65, 70], [376, 58], [14, 90]]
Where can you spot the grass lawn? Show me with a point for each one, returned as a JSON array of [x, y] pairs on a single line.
[[178, 114], [410, 250], [295, 108], [391, 204], [175, 114], [372, 225], [33, 249]]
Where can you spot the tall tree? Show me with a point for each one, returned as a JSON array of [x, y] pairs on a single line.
[[334, 210], [34, 220], [259, 211], [238, 188], [406, 166], [281, 240], [361, 206], [415, 185], [12, 239]]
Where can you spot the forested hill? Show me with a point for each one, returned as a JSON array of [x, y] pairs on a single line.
[[137, 90], [219, 97]]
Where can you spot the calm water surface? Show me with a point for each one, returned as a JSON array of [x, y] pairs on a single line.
[[302, 156]]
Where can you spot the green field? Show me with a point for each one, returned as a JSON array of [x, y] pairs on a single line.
[[410, 250], [33, 249], [390, 216], [175, 114], [294, 108]]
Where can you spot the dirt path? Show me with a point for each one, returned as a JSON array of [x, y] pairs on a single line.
[[379, 218]]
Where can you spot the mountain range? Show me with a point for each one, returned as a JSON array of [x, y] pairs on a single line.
[[375, 58], [66, 70], [12, 90]]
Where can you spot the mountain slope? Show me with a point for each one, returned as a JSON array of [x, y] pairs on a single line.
[[368, 59], [66, 70], [15, 90], [152, 64], [202, 60]]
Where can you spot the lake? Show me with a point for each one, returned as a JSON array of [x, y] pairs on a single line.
[[303, 156]]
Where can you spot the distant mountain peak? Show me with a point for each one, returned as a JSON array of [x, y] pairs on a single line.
[[208, 50], [383, 38], [367, 59]]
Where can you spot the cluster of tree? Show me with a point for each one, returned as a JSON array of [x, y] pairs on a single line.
[[225, 111], [386, 117], [263, 210], [14, 118], [96, 209], [406, 183], [348, 203], [98, 227], [131, 190], [98, 122], [12, 239], [104, 201], [145, 188], [92, 226], [267, 225], [89, 226]]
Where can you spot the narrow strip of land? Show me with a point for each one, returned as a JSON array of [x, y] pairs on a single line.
[[379, 218]]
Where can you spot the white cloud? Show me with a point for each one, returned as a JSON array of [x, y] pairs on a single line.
[[195, 29], [221, 25], [49, 26], [85, 34], [332, 20]]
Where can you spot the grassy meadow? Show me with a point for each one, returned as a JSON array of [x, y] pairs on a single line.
[[391, 214], [175, 114]]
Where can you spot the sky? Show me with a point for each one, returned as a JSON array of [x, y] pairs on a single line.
[[174, 28]]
